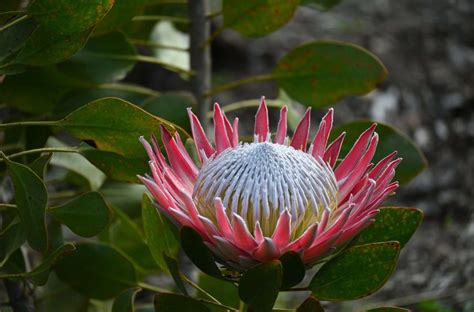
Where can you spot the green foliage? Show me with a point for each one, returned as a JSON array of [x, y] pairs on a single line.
[[258, 18], [94, 260], [86, 215], [124, 301], [321, 73], [293, 269], [391, 224], [356, 272], [391, 140], [31, 199], [310, 305], [259, 286]]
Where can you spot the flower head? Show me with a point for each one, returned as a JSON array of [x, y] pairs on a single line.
[[252, 202]]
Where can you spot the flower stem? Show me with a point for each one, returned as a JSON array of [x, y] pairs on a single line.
[[45, 150], [27, 123], [152, 287], [128, 88], [238, 83]]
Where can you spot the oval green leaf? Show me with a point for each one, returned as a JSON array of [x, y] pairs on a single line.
[[224, 291], [173, 268], [121, 13], [321, 73], [257, 18], [356, 272], [86, 215], [293, 269], [259, 286], [172, 303], [12, 237], [44, 47], [66, 17], [103, 59], [31, 199], [198, 253], [391, 224], [97, 271], [391, 139], [159, 236], [116, 166], [114, 125]]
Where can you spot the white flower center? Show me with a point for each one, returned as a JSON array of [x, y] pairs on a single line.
[[259, 180]]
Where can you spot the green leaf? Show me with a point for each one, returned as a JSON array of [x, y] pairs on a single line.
[[127, 197], [391, 224], [77, 164], [171, 107], [224, 291], [115, 166], [44, 47], [172, 303], [124, 301], [15, 264], [173, 268], [197, 251], [114, 125], [356, 272], [12, 237], [388, 309], [67, 17], [126, 236], [293, 269], [100, 60], [86, 215], [97, 271], [310, 305], [36, 91], [31, 198], [159, 236], [40, 164], [391, 139], [320, 73], [259, 286], [39, 275], [121, 13], [13, 39], [57, 296], [257, 18]]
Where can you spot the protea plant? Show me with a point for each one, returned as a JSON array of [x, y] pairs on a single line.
[[253, 202]]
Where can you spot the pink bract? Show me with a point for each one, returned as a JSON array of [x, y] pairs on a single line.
[[252, 202]]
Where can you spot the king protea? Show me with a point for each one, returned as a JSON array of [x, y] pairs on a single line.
[[252, 202]]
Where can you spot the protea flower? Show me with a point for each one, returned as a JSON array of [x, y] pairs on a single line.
[[252, 202]]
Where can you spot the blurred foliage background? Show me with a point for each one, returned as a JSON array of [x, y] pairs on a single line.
[[59, 59]]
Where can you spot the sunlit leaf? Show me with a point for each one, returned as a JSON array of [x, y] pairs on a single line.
[[12, 39], [356, 272], [259, 286], [158, 233], [391, 224], [31, 198], [257, 18], [67, 17], [89, 270], [86, 215], [391, 139], [126, 236], [171, 107], [321, 73], [224, 291], [114, 125]]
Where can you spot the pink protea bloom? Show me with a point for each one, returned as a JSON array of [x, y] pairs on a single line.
[[252, 202]]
